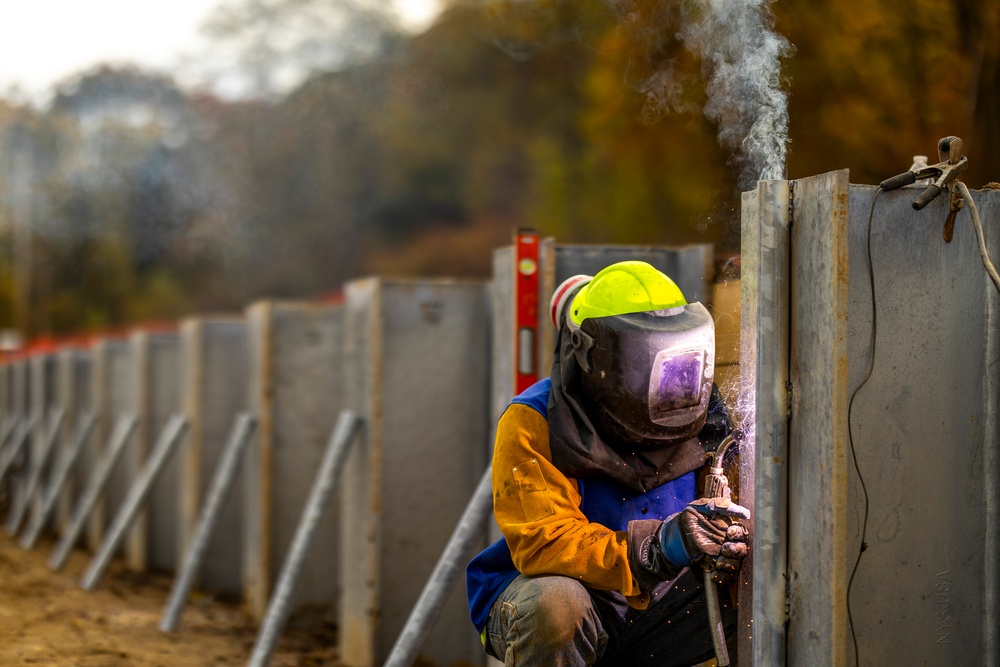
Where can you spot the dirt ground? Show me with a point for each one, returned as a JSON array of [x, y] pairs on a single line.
[[46, 619]]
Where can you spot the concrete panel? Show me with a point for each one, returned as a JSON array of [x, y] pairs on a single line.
[[213, 391], [417, 365], [21, 407], [43, 400], [114, 395], [153, 542], [296, 393], [6, 417], [74, 394]]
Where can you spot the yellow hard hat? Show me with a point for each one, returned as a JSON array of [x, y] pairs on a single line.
[[623, 288]]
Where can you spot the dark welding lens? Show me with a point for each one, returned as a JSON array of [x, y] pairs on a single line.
[[676, 382]]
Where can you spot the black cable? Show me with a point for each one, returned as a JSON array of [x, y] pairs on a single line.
[[850, 435]]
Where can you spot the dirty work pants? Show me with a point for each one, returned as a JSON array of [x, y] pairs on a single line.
[[553, 621]]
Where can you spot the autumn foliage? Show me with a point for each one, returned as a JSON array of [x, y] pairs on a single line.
[[128, 198]]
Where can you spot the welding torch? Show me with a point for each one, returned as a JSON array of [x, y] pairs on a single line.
[[717, 489], [952, 163]]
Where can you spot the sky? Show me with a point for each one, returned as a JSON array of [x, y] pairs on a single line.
[[43, 42]]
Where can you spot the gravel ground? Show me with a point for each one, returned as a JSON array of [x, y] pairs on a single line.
[[46, 619]]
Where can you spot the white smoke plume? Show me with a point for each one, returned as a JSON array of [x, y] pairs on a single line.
[[741, 56]]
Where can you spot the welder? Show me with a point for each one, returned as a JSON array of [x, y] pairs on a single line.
[[595, 476]]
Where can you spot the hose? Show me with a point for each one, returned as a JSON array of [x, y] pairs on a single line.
[[978, 225]]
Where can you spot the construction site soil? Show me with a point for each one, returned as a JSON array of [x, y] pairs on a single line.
[[47, 619]]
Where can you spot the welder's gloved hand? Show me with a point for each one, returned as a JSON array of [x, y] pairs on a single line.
[[706, 532]]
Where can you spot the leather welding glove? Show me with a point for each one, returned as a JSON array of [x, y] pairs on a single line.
[[707, 532]]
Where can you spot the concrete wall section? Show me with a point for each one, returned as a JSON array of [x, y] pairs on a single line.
[[213, 391], [361, 503], [114, 395], [74, 386], [21, 407], [417, 365], [154, 540], [296, 387], [43, 403]]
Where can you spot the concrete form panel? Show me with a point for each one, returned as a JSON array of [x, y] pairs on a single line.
[[21, 408], [153, 542], [43, 401], [213, 391], [417, 365], [925, 433], [361, 538], [296, 387], [74, 387], [114, 395], [762, 408]]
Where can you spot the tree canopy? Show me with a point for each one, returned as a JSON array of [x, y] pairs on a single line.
[[129, 198]]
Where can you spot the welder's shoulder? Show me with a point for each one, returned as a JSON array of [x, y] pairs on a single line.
[[535, 397], [524, 425]]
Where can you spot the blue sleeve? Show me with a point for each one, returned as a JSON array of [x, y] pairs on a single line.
[[536, 397]]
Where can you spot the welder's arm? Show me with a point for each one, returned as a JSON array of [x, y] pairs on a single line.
[[538, 511]]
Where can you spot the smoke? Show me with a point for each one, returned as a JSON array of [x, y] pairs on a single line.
[[740, 57]]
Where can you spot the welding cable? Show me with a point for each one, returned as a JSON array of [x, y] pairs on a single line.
[[978, 224], [850, 431]]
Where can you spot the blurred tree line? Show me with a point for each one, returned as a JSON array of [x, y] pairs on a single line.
[[128, 199]]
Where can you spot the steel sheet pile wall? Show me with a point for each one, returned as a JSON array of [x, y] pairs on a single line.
[[763, 478], [417, 371], [296, 392], [924, 427], [214, 390], [74, 385], [926, 433], [154, 540], [114, 395]]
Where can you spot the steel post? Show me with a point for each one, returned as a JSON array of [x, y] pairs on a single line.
[[35, 476], [222, 481], [134, 500], [59, 477], [9, 424], [16, 446], [319, 499], [124, 429]]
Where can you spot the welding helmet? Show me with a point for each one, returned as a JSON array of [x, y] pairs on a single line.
[[646, 355]]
